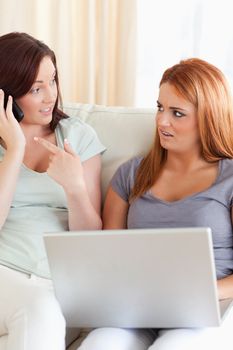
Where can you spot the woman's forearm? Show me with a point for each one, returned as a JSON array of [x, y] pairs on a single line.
[[9, 170], [82, 214], [225, 287]]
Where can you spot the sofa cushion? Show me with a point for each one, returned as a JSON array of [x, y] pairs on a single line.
[[125, 132]]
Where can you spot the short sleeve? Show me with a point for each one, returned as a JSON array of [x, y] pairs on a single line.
[[122, 181], [81, 136]]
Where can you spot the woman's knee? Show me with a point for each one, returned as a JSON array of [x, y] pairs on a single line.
[[117, 339], [191, 339], [45, 311], [172, 339]]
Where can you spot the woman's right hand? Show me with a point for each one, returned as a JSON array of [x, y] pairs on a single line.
[[10, 130]]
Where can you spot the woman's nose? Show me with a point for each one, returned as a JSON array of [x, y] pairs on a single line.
[[163, 119], [50, 95]]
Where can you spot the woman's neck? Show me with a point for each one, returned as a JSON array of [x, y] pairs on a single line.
[[30, 131], [184, 162]]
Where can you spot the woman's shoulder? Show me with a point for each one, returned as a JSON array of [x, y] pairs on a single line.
[[225, 175], [75, 130], [128, 169], [228, 162], [131, 164], [81, 136], [74, 124], [123, 179], [226, 166]]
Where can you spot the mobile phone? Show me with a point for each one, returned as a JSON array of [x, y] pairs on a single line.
[[17, 111]]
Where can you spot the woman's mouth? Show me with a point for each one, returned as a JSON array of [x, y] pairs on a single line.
[[165, 133], [46, 111]]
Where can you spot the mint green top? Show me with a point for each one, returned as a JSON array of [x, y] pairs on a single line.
[[39, 204]]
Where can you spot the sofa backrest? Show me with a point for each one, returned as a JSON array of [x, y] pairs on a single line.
[[125, 132]]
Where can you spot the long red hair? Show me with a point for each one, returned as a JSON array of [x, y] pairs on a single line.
[[207, 89]]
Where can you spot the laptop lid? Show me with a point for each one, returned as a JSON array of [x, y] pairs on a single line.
[[135, 278]]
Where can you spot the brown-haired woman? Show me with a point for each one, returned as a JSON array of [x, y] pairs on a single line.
[[49, 181], [185, 180]]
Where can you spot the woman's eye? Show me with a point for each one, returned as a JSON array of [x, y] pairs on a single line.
[[160, 108], [35, 90], [178, 114]]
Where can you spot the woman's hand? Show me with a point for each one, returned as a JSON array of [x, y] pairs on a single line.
[[65, 166], [81, 183], [10, 130], [13, 140]]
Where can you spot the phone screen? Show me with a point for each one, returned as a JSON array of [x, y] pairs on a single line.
[[17, 111]]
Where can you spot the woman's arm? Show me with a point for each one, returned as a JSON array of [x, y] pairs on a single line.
[[84, 201], [225, 285], [81, 183], [14, 141], [115, 211]]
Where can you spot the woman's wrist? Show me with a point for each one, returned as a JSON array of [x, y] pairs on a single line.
[[225, 288], [75, 188]]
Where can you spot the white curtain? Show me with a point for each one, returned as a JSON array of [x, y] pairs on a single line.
[[114, 52], [94, 41]]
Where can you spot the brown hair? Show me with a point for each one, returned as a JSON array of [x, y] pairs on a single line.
[[206, 88], [20, 57]]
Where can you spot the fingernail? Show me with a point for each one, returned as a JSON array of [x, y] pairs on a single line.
[[66, 141], [35, 138]]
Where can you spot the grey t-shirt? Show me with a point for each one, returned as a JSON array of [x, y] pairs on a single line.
[[209, 208], [39, 204]]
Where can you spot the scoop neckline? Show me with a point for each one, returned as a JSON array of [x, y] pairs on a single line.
[[29, 169], [149, 192]]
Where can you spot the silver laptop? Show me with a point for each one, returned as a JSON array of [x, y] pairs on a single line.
[[135, 278]]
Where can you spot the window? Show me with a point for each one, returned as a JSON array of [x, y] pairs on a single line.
[[169, 31]]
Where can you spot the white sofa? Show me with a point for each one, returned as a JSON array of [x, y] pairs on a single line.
[[125, 132]]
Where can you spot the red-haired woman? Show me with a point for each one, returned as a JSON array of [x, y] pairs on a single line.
[[185, 180]]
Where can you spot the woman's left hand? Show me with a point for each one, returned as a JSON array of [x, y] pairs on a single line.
[[65, 166]]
